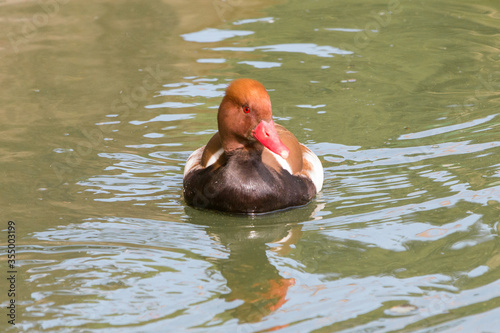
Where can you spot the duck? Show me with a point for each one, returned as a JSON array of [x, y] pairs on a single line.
[[251, 165]]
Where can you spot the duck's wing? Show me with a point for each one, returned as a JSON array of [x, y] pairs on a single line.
[[301, 161], [312, 167], [203, 157]]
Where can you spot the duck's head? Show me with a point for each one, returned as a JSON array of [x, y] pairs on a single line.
[[245, 119]]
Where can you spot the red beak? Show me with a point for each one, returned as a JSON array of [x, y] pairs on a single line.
[[266, 133]]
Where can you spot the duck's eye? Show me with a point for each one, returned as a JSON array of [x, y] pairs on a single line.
[[246, 109]]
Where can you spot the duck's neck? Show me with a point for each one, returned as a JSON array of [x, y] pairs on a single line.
[[252, 149]]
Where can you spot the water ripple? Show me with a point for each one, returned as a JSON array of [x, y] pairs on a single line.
[[323, 51]]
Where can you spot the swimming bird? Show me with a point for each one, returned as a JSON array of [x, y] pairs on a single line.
[[251, 165]]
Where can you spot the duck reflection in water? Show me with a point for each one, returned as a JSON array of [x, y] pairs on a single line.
[[249, 274]]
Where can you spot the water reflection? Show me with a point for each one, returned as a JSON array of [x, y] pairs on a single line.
[[249, 273]]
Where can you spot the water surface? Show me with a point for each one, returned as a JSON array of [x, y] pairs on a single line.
[[102, 103]]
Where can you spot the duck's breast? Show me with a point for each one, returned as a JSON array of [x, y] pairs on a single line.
[[244, 184]]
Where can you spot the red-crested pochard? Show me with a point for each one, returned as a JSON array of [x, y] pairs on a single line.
[[251, 165]]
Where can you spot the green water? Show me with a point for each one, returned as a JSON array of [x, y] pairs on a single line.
[[102, 103]]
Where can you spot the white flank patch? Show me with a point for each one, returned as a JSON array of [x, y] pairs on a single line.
[[214, 157], [194, 160], [282, 162], [316, 173]]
